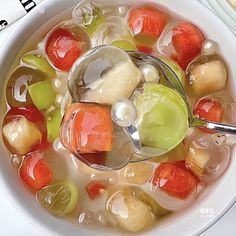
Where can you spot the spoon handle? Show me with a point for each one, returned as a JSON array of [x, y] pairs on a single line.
[[219, 127]]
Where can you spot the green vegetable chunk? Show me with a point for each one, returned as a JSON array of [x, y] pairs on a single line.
[[125, 45], [59, 198], [53, 124], [163, 117], [40, 63], [42, 94]]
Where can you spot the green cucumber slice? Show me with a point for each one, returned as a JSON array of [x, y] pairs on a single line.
[[42, 94], [163, 116]]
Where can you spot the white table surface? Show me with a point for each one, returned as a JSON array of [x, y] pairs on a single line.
[[13, 223]]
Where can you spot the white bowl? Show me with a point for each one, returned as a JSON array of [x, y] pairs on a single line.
[[205, 211]]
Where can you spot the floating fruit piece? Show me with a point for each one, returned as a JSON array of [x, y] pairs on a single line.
[[147, 21], [17, 86], [197, 159], [176, 68], [163, 117], [187, 40], [114, 28], [87, 128], [125, 45], [34, 172], [21, 135], [207, 74], [42, 94], [104, 75], [177, 154], [136, 173], [209, 109], [207, 158], [60, 198], [175, 180], [53, 124], [118, 82], [64, 46], [95, 189], [127, 211], [89, 16], [39, 62], [156, 208], [25, 130]]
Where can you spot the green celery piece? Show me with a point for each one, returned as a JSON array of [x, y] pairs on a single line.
[[124, 45], [40, 63], [42, 94], [53, 124], [163, 119]]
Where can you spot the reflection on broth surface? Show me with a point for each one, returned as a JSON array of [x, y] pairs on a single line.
[[48, 126]]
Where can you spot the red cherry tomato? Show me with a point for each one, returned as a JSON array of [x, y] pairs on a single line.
[[147, 21], [33, 115], [34, 172], [187, 40], [174, 179], [208, 109], [89, 127], [95, 189], [63, 48]]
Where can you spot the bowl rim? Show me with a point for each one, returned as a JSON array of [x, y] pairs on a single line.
[[9, 192]]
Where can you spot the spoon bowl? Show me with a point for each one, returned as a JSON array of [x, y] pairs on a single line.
[[88, 74]]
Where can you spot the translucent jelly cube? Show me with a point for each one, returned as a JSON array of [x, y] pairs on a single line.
[[21, 135], [136, 173], [113, 29], [115, 11], [89, 16], [87, 217], [207, 158], [17, 87], [87, 132], [104, 76], [64, 44], [164, 44], [181, 41], [127, 211], [217, 107], [172, 203], [207, 74]]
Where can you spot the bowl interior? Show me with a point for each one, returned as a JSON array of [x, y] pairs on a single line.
[[193, 221]]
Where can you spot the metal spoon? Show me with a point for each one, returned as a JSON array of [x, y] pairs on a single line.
[[135, 151], [170, 76]]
